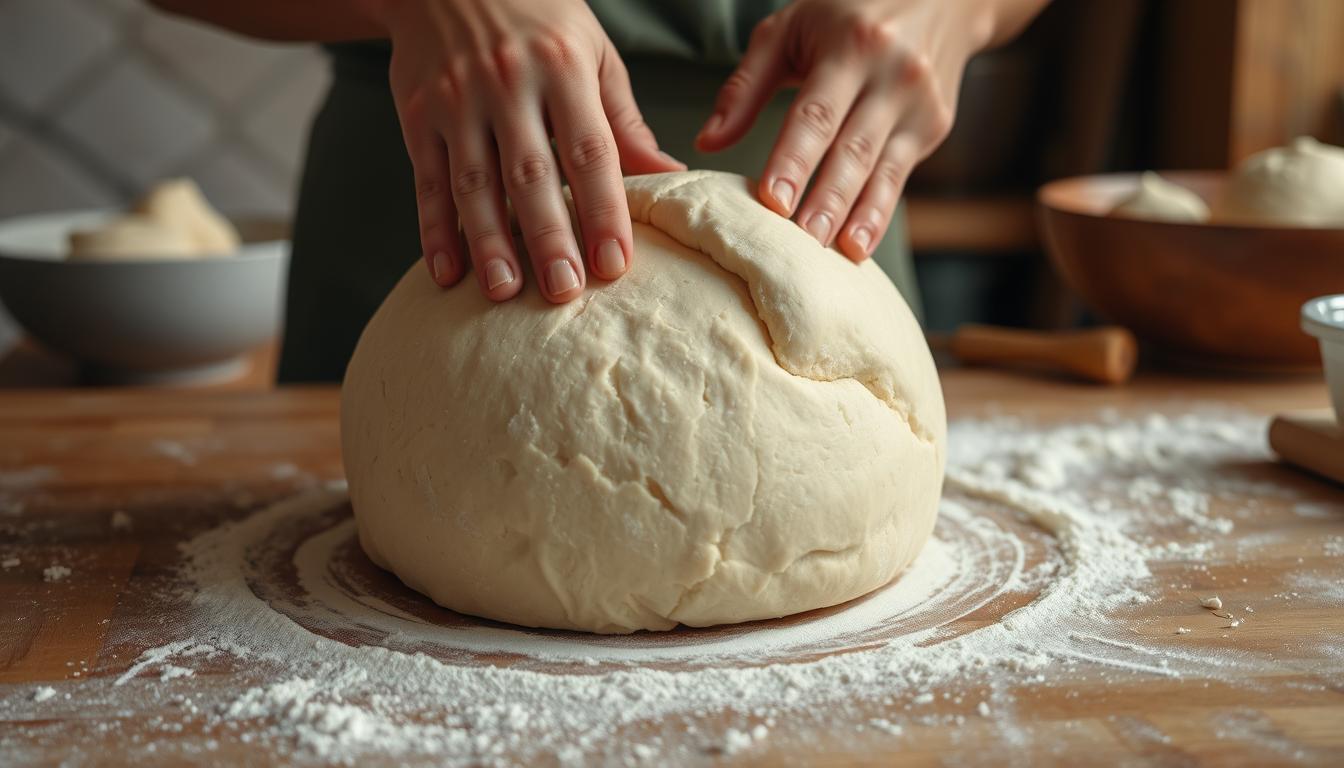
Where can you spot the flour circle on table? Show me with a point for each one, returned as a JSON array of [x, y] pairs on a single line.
[[307, 565]]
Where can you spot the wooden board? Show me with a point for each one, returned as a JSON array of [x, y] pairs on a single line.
[[111, 450]]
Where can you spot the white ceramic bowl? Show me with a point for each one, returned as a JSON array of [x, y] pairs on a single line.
[[141, 320], [1323, 317]]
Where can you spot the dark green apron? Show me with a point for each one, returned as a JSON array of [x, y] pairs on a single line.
[[355, 228]]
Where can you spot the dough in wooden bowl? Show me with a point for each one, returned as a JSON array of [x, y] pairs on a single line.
[[745, 426], [1160, 200], [1298, 185]]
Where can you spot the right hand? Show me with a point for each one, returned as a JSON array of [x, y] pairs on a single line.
[[481, 87]]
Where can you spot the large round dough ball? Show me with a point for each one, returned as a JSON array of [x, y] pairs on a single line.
[[747, 425], [1298, 185], [1160, 200]]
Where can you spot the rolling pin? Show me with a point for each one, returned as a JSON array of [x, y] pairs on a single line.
[[1104, 355]]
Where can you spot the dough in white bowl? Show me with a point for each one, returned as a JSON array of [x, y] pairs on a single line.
[[1298, 185], [745, 426], [172, 221], [180, 202], [132, 237], [1160, 200]]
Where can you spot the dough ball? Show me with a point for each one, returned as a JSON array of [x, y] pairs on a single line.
[[1160, 200], [745, 426], [1298, 185], [179, 202], [131, 237]]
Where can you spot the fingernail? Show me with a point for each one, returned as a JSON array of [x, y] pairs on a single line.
[[713, 124], [782, 191], [497, 273], [862, 237], [820, 226], [561, 277], [610, 259], [441, 266]]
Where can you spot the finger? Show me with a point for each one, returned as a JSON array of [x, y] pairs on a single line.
[[479, 195], [533, 184], [748, 88], [809, 130], [848, 164], [635, 142], [587, 152], [872, 212], [440, 243]]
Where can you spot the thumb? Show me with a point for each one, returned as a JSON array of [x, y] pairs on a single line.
[[748, 88], [635, 142]]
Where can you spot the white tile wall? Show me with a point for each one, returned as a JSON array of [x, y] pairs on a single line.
[[108, 95], [98, 98]]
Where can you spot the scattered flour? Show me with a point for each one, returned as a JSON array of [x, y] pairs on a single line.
[[175, 451], [1029, 513], [44, 693], [9, 562], [55, 572]]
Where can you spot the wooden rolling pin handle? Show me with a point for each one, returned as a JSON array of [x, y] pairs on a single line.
[[1106, 355]]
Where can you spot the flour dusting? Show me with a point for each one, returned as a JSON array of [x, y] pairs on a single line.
[[1055, 533]]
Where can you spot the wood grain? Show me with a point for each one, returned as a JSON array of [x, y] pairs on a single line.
[[108, 450]]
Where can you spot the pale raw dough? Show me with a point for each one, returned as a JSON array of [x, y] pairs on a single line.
[[1160, 200], [172, 221], [745, 426], [131, 237], [1298, 185], [180, 201]]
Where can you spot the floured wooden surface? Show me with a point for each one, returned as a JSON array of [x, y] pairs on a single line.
[[1058, 613]]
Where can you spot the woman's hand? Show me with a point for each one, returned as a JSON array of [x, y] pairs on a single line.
[[481, 88], [878, 82]]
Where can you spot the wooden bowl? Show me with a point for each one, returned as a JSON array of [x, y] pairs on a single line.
[[1203, 294]]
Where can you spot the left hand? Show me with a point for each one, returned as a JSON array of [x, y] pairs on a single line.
[[878, 82]]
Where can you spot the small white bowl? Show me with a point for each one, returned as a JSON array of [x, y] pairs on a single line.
[[141, 320], [1323, 317]]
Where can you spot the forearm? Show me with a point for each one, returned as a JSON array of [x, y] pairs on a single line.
[[290, 20]]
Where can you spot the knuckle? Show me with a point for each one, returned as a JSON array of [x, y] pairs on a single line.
[[832, 198], [555, 49], [530, 170], [737, 84], [817, 116], [874, 35], [482, 237], [447, 88], [859, 149], [794, 162], [470, 180], [504, 64], [415, 104], [916, 69], [428, 187], [891, 173], [547, 231], [602, 210], [589, 152]]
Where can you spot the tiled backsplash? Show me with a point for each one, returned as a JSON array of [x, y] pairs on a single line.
[[98, 98]]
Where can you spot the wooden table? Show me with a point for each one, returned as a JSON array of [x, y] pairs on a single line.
[[121, 450]]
